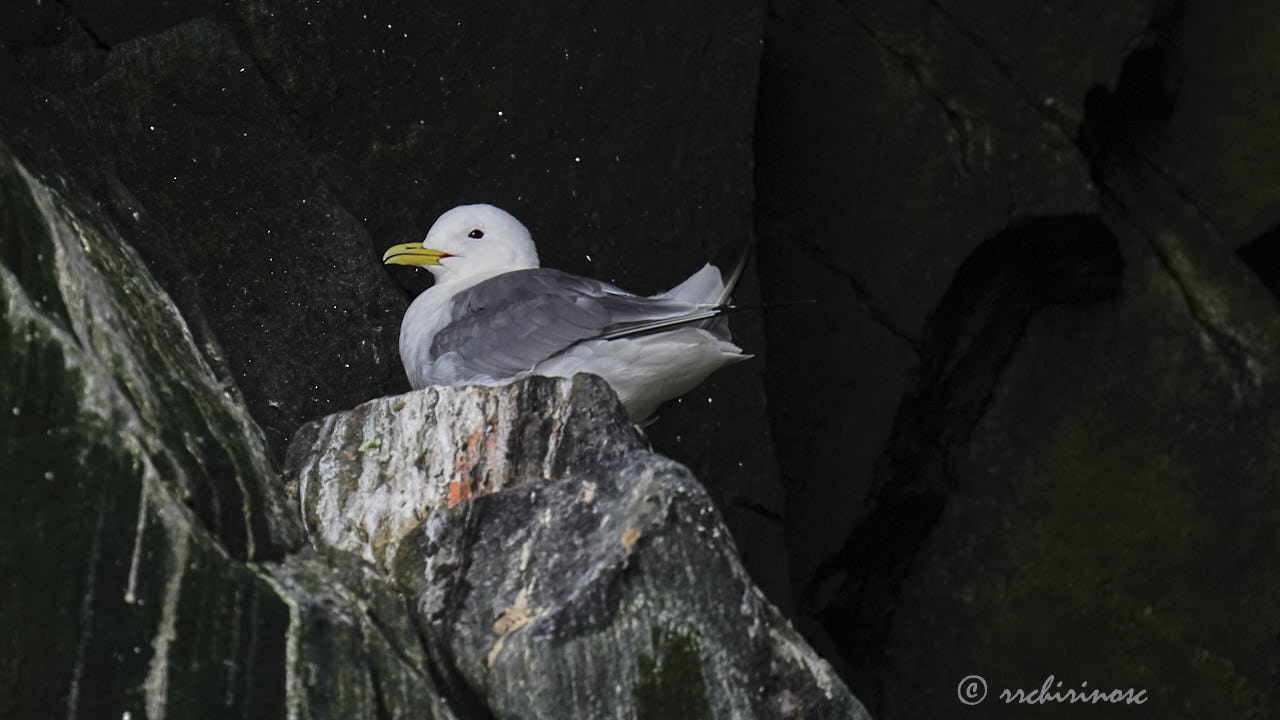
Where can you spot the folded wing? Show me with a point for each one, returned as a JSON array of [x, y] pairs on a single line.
[[506, 325]]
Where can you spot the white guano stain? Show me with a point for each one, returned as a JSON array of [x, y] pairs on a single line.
[[131, 588], [156, 685], [295, 699], [86, 616]]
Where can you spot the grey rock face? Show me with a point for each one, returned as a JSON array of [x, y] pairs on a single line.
[[556, 565], [615, 594], [151, 562], [366, 476]]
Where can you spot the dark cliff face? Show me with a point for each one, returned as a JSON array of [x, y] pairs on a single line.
[[1041, 230], [1027, 429]]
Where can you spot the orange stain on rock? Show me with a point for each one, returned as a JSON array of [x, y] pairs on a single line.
[[466, 466], [458, 492]]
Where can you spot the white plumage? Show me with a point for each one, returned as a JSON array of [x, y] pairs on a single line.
[[494, 316]]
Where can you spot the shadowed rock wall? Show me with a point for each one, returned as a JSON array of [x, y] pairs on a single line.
[[1052, 373]]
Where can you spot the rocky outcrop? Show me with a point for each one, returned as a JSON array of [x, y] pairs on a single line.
[[556, 565], [614, 594], [366, 476]]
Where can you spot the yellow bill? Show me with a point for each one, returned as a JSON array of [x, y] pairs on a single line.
[[412, 254]]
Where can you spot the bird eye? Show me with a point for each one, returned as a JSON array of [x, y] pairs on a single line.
[[477, 234]]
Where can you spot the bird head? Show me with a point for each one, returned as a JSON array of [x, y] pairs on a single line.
[[469, 241]]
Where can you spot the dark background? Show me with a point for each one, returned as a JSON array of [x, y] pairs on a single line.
[[1031, 426]]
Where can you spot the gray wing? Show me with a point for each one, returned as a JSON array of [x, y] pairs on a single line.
[[507, 324]]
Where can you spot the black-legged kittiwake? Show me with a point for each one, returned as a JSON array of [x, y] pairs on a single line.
[[494, 316]]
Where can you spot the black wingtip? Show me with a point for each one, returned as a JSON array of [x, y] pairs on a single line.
[[735, 257], [703, 318]]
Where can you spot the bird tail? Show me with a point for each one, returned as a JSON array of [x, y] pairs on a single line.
[[709, 286], [701, 288], [699, 317], [712, 290]]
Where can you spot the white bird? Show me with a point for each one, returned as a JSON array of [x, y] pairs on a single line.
[[494, 316]]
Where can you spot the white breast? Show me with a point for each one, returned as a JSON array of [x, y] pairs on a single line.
[[426, 316]]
